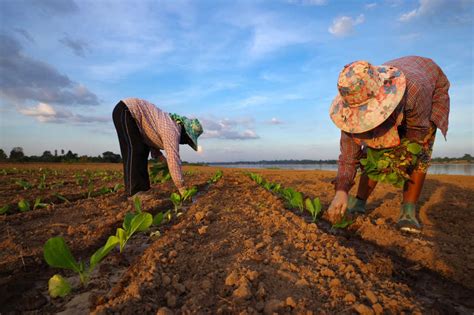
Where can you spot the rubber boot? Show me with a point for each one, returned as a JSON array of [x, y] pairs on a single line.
[[356, 205], [407, 221]]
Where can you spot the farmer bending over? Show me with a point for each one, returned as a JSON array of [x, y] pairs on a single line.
[[406, 98], [141, 128]]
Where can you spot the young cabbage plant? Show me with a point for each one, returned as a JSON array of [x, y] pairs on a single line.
[[4, 209], [158, 219], [90, 189], [159, 173], [24, 205], [345, 222], [214, 179], [293, 198], [314, 207], [132, 223], [42, 183], [38, 204], [61, 197], [178, 199], [117, 187], [58, 286], [57, 254], [24, 184]]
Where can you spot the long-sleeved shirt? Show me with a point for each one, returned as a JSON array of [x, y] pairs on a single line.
[[160, 132], [426, 101]]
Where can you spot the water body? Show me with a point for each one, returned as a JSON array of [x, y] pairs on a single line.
[[438, 169]]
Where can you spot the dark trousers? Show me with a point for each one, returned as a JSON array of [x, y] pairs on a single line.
[[133, 149]]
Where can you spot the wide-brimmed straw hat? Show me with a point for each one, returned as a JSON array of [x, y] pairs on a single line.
[[367, 96], [192, 127]]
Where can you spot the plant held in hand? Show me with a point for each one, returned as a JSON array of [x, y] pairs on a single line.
[[392, 165]]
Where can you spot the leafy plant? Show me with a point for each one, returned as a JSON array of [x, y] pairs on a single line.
[[345, 222], [58, 286], [392, 165], [42, 183], [24, 205], [293, 198], [158, 219], [39, 204], [217, 176], [314, 207], [61, 197], [57, 254], [24, 184], [90, 189], [159, 173], [178, 199], [132, 223], [117, 187], [256, 178], [4, 209]]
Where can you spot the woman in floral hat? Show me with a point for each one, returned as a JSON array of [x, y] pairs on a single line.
[[141, 128], [377, 107]]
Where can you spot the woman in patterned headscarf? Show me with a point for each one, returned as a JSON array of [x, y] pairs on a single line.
[[376, 107], [141, 128]]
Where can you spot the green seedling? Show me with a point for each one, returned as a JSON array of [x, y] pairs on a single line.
[[345, 222], [137, 204], [24, 205], [3, 172], [293, 198], [314, 207], [24, 184], [158, 219], [90, 189], [38, 204], [105, 190], [159, 173], [256, 178], [4, 209], [217, 176], [57, 254], [117, 187], [42, 183], [79, 179], [178, 199], [58, 286], [61, 197], [132, 223]]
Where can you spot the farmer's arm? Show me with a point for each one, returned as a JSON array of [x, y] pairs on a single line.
[[348, 161], [441, 103], [156, 154], [171, 146]]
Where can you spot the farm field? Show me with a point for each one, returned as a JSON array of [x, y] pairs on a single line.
[[237, 248]]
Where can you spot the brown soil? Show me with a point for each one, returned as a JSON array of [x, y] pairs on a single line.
[[236, 249]]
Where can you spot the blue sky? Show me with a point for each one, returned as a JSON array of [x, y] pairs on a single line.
[[259, 74]]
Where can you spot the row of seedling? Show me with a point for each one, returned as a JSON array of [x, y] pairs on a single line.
[[57, 254], [24, 205], [295, 199]]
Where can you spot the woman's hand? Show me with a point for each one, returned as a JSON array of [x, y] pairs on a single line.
[[338, 206]]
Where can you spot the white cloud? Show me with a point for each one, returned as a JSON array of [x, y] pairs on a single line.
[[275, 121], [370, 5], [426, 7], [308, 2], [254, 100], [344, 25], [46, 113], [229, 129]]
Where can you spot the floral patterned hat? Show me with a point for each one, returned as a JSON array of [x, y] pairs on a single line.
[[192, 127], [367, 96]]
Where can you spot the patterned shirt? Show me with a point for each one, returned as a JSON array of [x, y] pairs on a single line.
[[160, 132], [426, 102]]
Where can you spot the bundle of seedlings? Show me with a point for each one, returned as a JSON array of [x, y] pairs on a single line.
[[393, 165]]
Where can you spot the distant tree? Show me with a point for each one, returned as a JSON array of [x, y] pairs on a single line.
[[111, 157], [47, 156], [62, 151], [3, 156], [70, 156], [467, 157], [55, 152], [17, 153]]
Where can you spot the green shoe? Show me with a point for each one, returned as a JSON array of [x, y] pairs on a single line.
[[407, 221], [355, 205]]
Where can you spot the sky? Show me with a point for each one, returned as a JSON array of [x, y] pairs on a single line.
[[260, 75]]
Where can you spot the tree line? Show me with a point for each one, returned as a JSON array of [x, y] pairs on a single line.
[[17, 155]]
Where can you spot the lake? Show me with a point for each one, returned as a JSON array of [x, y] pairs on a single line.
[[438, 169]]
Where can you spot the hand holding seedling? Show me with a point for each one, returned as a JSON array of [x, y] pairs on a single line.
[[338, 207]]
